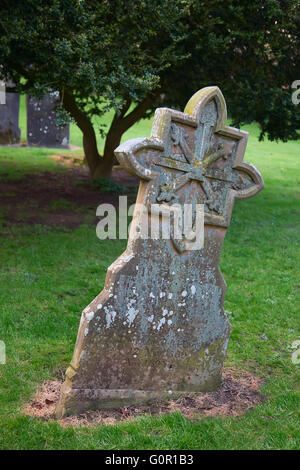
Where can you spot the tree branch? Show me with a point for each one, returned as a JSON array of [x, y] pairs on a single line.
[[85, 125], [137, 113]]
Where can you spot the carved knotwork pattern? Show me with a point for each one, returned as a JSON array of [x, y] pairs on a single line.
[[194, 167]]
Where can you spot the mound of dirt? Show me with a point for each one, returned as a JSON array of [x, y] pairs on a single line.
[[239, 393]]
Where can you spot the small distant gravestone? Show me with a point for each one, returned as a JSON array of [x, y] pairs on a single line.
[[42, 130], [158, 328], [9, 118]]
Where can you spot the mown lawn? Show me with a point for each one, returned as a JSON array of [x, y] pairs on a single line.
[[41, 266]]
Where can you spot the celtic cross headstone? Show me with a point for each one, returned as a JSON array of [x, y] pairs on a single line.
[[158, 328]]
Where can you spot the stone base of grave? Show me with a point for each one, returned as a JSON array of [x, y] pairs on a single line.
[[206, 377]]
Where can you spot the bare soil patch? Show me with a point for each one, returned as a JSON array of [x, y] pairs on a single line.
[[239, 393], [66, 199]]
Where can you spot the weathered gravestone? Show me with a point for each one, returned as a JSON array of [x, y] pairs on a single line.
[[9, 118], [158, 328], [42, 130]]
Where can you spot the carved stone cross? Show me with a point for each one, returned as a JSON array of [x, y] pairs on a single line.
[[158, 328]]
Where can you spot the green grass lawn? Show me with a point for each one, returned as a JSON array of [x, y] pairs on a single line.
[[260, 263]]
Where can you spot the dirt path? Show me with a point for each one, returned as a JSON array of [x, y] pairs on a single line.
[[66, 199]]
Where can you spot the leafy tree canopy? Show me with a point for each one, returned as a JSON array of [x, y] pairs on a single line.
[[134, 55]]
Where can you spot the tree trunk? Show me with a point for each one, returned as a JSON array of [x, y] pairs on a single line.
[[101, 167], [122, 123], [114, 135]]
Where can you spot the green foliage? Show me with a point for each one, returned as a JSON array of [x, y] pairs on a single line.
[[109, 53], [62, 116], [251, 51], [101, 50]]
